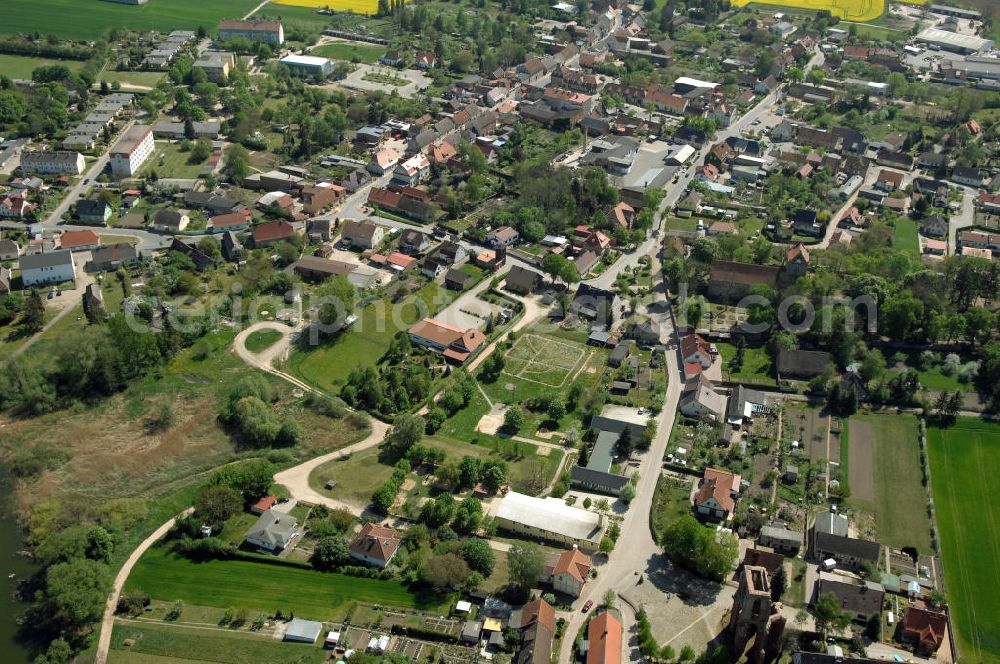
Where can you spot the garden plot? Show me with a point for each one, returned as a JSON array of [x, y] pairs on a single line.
[[543, 360]]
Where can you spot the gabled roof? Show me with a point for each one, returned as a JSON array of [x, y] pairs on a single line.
[[361, 230], [604, 637], [926, 627], [798, 251], [848, 546], [744, 273], [693, 343], [74, 239], [539, 611], [375, 541], [575, 563], [853, 599], [272, 230]]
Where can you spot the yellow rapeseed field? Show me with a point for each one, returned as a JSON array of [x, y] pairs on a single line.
[[356, 6], [851, 10]]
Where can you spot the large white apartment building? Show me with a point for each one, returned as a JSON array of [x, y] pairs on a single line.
[[53, 162], [131, 151]]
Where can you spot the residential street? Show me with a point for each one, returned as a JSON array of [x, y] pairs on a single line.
[[636, 551]]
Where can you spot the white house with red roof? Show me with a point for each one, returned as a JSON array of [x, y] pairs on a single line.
[[375, 545], [568, 571], [716, 495], [694, 349], [455, 344]]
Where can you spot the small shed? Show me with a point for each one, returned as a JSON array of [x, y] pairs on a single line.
[[791, 475], [471, 631], [463, 606]]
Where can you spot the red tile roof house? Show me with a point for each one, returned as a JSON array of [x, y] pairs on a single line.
[[694, 349], [604, 639], [624, 214], [231, 221], [375, 545], [263, 505], [80, 240], [716, 496], [568, 571], [456, 345], [271, 232], [926, 629]]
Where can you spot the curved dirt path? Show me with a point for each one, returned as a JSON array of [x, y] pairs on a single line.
[[108, 622], [296, 479]]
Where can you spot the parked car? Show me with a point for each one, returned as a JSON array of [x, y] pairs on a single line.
[[589, 603]]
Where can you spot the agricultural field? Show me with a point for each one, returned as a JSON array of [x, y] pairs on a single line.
[[163, 643], [264, 587], [964, 461], [356, 6], [21, 66], [71, 19], [851, 10], [884, 478], [366, 53]]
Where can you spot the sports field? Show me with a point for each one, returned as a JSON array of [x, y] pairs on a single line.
[[543, 360], [851, 10], [356, 6], [263, 587], [965, 462], [89, 19]]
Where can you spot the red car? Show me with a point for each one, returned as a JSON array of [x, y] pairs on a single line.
[[589, 603]]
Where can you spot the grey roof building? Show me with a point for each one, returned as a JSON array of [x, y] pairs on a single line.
[[272, 531], [303, 631]]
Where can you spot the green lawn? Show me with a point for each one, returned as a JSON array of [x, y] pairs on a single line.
[[21, 66], [72, 19], [671, 500], [143, 78], [905, 237], [900, 498], [261, 339], [175, 643], [678, 224], [964, 466], [169, 162], [358, 476], [264, 587], [364, 343], [756, 363], [367, 53]]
